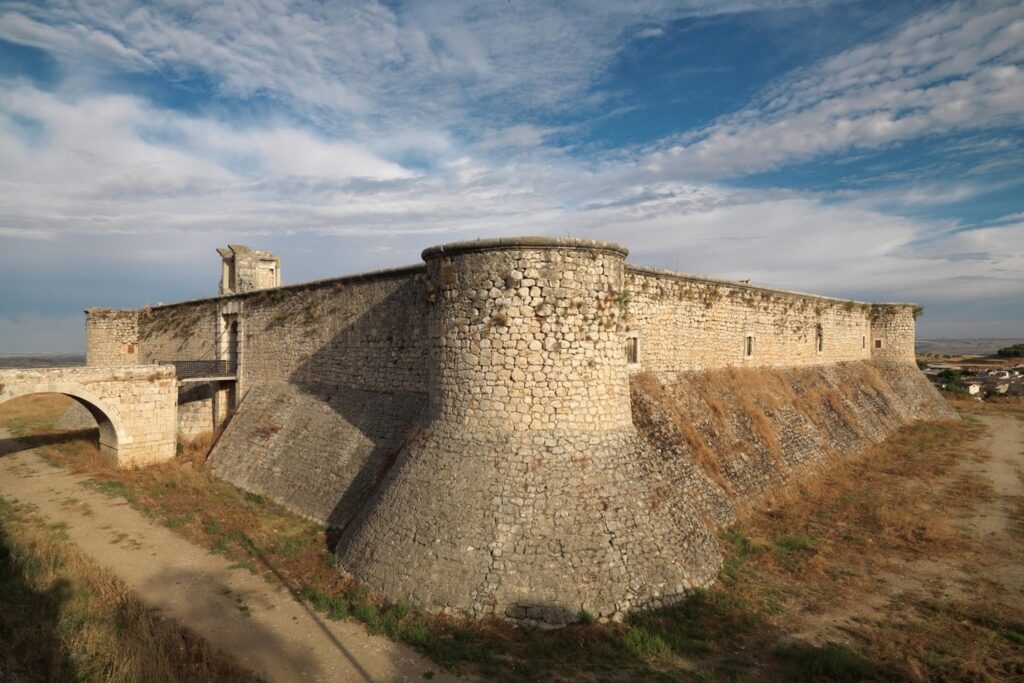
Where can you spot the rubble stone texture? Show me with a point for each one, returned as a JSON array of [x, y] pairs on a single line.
[[531, 428], [535, 506]]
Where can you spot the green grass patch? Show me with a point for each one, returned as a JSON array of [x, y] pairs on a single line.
[[334, 606], [789, 549], [111, 488], [831, 662]]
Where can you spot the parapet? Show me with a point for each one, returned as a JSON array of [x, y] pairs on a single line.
[[516, 243]]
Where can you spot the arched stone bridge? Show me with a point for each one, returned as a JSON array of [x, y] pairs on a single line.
[[134, 406]]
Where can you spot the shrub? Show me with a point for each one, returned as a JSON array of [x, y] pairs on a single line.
[[1015, 351]]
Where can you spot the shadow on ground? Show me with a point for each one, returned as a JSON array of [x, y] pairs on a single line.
[[13, 445]]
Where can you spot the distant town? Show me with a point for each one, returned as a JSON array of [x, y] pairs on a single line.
[[995, 374]]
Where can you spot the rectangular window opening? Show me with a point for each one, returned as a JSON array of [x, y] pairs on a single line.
[[749, 346], [632, 350], [878, 343], [863, 342]]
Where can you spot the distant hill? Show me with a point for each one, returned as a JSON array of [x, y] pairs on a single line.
[[963, 347], [40, 360]]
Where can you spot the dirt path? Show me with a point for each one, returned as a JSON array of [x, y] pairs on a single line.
[[999, 522], [260, 623], [995, 524]]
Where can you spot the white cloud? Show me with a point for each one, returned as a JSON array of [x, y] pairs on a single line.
[[956, 68], [113, 164], [392, 90], [653, 32], [405, 64]]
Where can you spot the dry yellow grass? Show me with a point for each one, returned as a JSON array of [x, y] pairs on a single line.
[[64, 618], [702, 453]]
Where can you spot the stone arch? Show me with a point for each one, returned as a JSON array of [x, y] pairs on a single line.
[[107, 417]]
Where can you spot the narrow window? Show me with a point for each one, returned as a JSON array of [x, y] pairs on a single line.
[[863, 342], [750, 346], [632, 350], [820, 340]]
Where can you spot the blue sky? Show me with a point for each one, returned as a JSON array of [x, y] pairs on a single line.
[[865, 149]]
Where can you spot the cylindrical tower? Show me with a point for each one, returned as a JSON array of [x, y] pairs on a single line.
[[893, 328], [523, 494], [528, 336], [111, 337]]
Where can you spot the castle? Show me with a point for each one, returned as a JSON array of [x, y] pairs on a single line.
[[477, 428]]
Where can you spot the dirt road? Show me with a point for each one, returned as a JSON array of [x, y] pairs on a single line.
[[260, 623]]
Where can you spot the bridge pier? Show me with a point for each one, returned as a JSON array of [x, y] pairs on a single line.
[[134, 406]]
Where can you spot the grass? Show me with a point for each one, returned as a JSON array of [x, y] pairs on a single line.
[[64, 618], [832, 661], [817, 550]]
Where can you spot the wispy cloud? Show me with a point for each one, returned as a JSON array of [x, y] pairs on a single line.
[[397, 126], [955, 68]]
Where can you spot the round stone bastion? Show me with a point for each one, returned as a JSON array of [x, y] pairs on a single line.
[[522, 494]]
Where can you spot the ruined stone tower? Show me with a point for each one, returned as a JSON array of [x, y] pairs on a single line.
[[521, 495], [244, 269]]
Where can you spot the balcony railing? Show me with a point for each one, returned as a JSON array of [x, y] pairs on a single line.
[[193, 369]]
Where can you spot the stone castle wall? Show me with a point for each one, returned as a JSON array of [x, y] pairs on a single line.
[[180, 331], [370, 331], [111, 337], [195, 409], [471, 423], [366, 332], [687, 323]]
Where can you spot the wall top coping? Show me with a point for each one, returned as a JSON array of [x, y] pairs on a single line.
[[495, 244], [505, 243], [673, 275], [93, 372], [383, 274]]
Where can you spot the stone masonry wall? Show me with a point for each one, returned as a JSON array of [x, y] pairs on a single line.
[[319, 454], [111, 337], [195, 410], [367, 332], [688, 323], [727, 438], [522, 496], [186, 331]]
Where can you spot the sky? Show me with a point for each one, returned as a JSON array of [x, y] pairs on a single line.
[[870, 150]]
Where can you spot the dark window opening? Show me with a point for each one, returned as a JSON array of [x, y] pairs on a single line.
[[878, 343], [750, 346], [632, 350], [821, 340]]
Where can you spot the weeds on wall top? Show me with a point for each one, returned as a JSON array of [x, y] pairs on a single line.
[[176, 320]]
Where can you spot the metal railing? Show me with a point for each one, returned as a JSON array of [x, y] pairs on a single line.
[[190, 369]]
